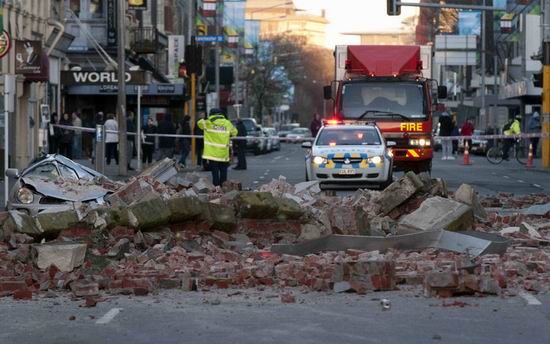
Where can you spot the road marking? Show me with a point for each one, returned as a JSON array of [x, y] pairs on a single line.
[[287, 159], [506, 177], [278, 157], [530, 299], [255, 182], [537, 186], [261, 177], [110, 315], [520, 181]]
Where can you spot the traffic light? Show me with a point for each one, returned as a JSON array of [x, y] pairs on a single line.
[[193, 59], [537, 79], [393, 8]]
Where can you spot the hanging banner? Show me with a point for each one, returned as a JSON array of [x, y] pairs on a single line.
[[251, 36], [140, 5], [28, 57], [5, 43], [176, 53], [111, 23]]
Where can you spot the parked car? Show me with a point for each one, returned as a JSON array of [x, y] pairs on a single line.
[[274, 142], [263, 143], [287, 128], [298, 135], [53, 182], [253, 131]]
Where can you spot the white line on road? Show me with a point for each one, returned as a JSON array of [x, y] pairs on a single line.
[[256, 182], [110, 315], [278, 157], [537, 186], [262, 177], [506, 177], [530, 299], [520, 181]]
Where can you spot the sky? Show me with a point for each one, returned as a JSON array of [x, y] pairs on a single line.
[[355, 16]]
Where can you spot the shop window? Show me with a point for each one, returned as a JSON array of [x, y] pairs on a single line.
[[96, 8]]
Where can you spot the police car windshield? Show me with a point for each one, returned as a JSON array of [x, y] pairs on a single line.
[[402, 98], [348, 137]]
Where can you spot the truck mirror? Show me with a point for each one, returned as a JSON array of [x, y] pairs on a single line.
[[441, 92], [327, 92]]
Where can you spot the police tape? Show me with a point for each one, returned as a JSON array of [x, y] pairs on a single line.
[[310, 139], [176, 136]]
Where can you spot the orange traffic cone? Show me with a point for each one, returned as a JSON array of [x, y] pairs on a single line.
[[530, 156], [466, 154]]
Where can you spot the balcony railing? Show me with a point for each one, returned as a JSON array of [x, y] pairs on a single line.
[[145, 40]]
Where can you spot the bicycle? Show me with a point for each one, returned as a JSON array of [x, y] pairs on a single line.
[[518, 150]]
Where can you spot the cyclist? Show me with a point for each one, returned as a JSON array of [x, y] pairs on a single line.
[[512, 128]]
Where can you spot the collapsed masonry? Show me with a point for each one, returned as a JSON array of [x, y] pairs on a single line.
[[162, 230]]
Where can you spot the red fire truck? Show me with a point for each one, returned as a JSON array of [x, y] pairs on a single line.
[[385, 85]]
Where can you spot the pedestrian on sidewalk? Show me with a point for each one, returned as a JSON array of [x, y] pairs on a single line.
[[455, 132], [166, 144], [54, 134], [467, 130], [217, 135], [185, 142], [66, 139], [131, 138], [445, 130], [534, 127], [111, 138], [77, 138], [240, 146], [316, 125], [148, 142]]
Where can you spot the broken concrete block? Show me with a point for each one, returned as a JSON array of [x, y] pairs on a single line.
[[219, 216], [232, 185], [179, 183], [66, 257], [21, 222], [119, 249], [288, 209], [467, 195], [438, 188], [83, 288], [256, 205], [203, 185], [398, 192], [184, 208], [530, 230], [381, 226], [132, 192], [149, 213], [311, 231], [438, 213], [162, 170], [310, 187], [52, 223]]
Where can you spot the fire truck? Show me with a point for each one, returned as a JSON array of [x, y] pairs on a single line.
[[386, 85]]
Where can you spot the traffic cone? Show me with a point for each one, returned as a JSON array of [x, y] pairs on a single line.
[[530, 156], [466, 154]]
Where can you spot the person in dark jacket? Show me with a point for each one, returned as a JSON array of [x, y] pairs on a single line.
[[66, 137], [316, 125], [131, 139], [148, 142], [54, 134], [240, 146], [446, 130], [199, 143], [185, 129], [166, 144]]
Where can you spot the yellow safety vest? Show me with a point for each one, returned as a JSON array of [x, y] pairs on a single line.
[[217, 133]]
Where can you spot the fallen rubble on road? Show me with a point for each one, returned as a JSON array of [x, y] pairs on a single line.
[[163, 230]]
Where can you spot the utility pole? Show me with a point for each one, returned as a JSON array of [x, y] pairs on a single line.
[[546, 86], [218, 51], [483, 64], [121, 100]]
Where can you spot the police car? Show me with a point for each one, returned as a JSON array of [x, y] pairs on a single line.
[[349, 154]]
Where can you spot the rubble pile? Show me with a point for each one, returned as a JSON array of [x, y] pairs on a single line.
[[166, 231]]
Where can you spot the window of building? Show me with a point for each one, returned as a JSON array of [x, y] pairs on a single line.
[[74, 5], [96, 8]]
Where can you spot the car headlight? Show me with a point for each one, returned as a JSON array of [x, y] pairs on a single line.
[[422, 142], [25, 196], [318, 160], [375, 159]]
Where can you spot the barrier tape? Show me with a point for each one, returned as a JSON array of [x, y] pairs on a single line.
[[442, 138], [129, 133]]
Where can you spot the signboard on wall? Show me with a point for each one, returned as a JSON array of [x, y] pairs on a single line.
[[69, 78], [28, 58], [111, 23], [137, 5]]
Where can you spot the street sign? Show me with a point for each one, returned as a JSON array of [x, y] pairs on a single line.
[[5, 43], [209, 39]]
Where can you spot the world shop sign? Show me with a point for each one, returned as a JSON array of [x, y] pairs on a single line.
[[71, 78]]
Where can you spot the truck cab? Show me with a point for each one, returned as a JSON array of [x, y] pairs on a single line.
[[385, 85]]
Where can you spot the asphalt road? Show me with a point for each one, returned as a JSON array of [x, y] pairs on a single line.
[[259, 317]]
